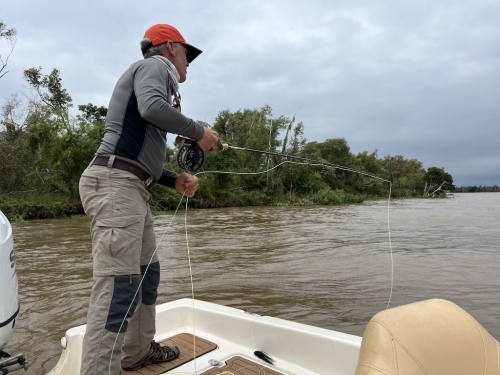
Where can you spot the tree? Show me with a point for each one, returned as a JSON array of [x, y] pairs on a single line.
[[92, 113], [406, 176], [49, 89], [9, 35], [17, 160], [395, 168], [370, 163], [255, 129], [297, 142], [63, 145], [436, 182], [334, 151]]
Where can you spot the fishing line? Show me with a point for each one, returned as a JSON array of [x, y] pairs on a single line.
[[140, 284], [308, 162], [192, 293], [191, 158], [262, 172], [390, 242], [342, 168], [192, 286], [194, 311], [299, 163]]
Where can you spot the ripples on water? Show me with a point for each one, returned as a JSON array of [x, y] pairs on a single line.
[[325, 266]]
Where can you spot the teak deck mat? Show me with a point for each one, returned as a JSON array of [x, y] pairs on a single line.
[[241, 366], [184, 341]]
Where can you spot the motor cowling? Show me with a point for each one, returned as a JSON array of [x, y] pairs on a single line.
[[9, 304]]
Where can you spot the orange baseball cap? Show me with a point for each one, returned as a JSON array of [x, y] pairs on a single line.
[[162, 33]]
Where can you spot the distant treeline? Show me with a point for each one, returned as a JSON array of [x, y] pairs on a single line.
[[477, 189], [43, 151]]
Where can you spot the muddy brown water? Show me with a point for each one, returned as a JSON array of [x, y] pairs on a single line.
[[325, 266]]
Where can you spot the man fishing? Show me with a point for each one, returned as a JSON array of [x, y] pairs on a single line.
[[114, 189]]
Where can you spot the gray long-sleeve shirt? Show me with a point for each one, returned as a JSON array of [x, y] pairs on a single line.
[[140, 115]]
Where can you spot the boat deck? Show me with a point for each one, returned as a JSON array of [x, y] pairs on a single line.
[[186, 343], [226, 339]]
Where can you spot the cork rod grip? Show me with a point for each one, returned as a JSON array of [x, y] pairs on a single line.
[[222, 146]]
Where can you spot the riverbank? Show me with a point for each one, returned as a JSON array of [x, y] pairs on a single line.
[[40, 206], [49, 206]]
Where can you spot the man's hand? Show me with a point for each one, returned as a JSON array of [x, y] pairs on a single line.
[[186, 184], [209, 140]]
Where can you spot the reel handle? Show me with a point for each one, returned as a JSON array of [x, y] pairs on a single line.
[[180, 140]]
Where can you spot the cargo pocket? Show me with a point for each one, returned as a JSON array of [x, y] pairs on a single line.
[[117, 245]]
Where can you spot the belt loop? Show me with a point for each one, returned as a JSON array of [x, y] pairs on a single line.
[[111, 161], [92, 162]]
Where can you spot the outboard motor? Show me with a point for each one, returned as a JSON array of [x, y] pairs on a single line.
[[9, 304]]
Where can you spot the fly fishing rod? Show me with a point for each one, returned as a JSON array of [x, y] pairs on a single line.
[[191, 157]]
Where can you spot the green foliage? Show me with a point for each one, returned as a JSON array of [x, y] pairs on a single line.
[[17, 160], [64, 146], [44, 151], [477, 189], [302, 179], [211, 196], [9, 35], [437, 176], [335, 197], [5, 32], [333, 151], [406, 176], [92, 113], [254, 129], [437, 183], [78, 217], [39, 206], [164, 199], [64, 149], [49, 88]]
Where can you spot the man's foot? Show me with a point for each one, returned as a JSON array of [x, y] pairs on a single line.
[[156, 354]]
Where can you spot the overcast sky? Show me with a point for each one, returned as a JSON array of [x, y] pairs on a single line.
[[415, 78]]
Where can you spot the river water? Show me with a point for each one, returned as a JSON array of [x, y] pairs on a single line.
[[325, 266]]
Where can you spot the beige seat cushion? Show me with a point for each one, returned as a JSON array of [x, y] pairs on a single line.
[[433, 337]]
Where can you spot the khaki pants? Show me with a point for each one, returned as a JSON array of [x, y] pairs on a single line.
[[121, 315]]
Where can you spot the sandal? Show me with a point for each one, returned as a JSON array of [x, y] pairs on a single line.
[[156, 354]]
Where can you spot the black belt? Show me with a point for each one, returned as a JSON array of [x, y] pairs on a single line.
[[126, 166]]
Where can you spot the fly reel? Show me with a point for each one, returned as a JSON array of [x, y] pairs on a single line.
[[190, 157]]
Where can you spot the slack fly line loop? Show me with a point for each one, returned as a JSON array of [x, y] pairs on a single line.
[[302, 161]]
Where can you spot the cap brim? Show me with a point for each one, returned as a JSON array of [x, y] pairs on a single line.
[[192, 52]]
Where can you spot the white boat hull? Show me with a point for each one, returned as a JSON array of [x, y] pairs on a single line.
[[297, 349], [9, 305]]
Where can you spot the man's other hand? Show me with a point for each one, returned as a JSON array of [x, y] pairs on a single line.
[[186, 184]]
